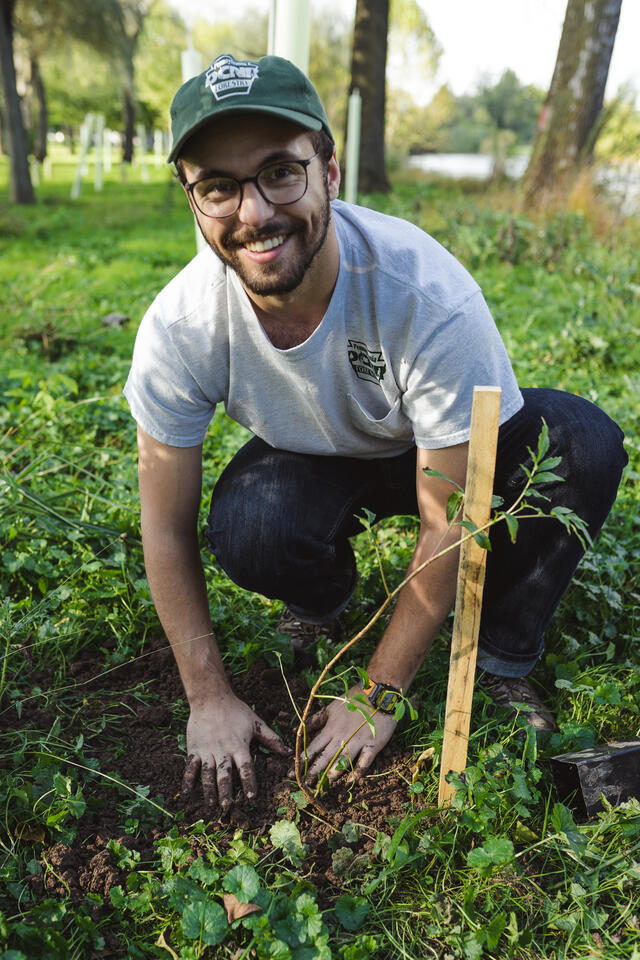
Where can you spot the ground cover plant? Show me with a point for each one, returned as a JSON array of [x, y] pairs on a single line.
[[99, 857]]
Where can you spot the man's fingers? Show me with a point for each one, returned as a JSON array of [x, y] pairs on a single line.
[[270, 739], [247, 777], [321, 762], [190, 774], [317, 721], [209, 787], [366, 758], [225, 782]]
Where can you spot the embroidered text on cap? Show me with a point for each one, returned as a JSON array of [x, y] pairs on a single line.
[[227, 77]]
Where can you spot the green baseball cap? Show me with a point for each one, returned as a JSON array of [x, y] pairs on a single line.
[[269, 85]]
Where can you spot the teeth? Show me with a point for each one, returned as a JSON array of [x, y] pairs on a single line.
[[261, 245]]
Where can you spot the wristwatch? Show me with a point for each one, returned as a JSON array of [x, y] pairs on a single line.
[[382, 696]]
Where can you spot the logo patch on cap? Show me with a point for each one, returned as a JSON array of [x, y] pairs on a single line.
[[227, 77]]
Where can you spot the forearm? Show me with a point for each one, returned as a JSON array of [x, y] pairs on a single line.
[[421, 608], [177, 583]]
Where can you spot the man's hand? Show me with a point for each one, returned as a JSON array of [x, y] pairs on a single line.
[[219, 736], [338, 726]]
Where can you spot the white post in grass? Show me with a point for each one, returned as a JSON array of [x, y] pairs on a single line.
[[85, 139], [97, 173], [191, 66], [353, 147], [157, 147], [290, 31], [106, 147]]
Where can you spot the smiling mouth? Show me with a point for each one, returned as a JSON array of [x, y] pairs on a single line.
[[261, 246]]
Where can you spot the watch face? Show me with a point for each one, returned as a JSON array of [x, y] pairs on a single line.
[[383, 697], [388, 701]]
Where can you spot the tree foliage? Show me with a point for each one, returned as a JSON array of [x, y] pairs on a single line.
[[620, 136]]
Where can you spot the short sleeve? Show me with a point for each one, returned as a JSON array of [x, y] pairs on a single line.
[[163, 395], [462, 351]]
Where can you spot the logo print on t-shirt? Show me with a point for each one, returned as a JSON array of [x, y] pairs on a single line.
[[368, 364]]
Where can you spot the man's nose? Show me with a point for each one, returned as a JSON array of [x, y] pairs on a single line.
[[253, 209]]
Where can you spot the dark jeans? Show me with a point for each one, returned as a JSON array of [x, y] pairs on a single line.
[[280, 522]]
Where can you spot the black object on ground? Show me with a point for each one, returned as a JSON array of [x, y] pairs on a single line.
[[609, 769]]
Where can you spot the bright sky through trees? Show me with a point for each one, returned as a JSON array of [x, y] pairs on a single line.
[[480, 39]]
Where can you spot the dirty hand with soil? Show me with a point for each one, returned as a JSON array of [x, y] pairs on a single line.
[[219, 737], [347, 733]]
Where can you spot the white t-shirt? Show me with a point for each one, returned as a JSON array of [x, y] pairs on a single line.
[[405, 338]]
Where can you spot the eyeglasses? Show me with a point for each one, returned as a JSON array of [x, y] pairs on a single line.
[[277, 183]]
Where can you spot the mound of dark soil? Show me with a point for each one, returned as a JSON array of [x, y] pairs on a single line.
[[142, 749]]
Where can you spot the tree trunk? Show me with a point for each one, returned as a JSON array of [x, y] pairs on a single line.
[[129, 122], [568, 123], [21, 190], [40, 140], [368, 66]]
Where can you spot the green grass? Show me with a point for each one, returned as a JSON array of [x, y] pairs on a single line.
[[507, 872]]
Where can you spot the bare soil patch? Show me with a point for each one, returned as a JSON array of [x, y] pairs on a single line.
[[143, 750]]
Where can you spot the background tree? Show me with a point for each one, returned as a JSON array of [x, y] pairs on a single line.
[[40, 28], [21, 189], [158, 70], [568, 123], [129, 18], [400, 29], [368, 71], [329, 62], [511, 105]]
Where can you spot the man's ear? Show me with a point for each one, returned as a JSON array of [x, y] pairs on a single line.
[[333, 177]]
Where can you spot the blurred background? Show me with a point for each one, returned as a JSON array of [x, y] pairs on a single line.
[[463, 85]]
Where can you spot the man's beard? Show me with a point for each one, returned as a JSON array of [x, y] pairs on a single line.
[[275, 279]]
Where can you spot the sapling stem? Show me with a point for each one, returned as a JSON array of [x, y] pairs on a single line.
[[575, 524]]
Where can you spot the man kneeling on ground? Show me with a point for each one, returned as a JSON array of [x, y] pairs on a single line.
[[348, 343]]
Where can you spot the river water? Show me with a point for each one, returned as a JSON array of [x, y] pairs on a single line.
[[621, 180]]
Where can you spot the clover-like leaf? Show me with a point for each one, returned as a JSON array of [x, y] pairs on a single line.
[[286, 837], [204, 872], [496, 852], [351, 911], [243, 882], [204, 920]]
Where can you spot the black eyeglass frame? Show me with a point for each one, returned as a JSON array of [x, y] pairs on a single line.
[[189, 187]]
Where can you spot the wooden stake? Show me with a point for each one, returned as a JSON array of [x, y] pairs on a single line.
[[483, 442]]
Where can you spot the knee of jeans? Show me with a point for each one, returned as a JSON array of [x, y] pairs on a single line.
[[259, 551], [599, 449]]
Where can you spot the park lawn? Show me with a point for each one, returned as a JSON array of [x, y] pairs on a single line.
[[99, 856]]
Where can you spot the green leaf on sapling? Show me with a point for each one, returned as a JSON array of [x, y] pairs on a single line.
[[512, 526], [453, 505]]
